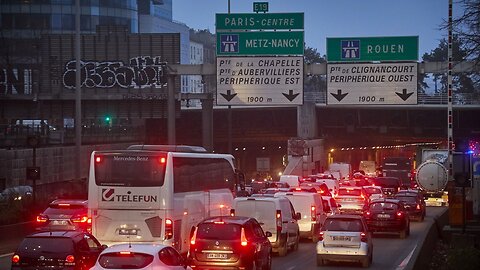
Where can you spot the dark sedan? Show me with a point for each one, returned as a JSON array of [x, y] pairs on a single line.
[[387, 215]]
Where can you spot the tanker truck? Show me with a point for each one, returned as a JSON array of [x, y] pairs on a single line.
[[432, 176]]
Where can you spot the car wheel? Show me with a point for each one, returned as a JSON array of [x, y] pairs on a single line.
[[319, 261], [297, 240], [365, 262], [282, 251], [268, 266]]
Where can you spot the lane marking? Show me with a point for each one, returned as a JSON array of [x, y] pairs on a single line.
[[405, 261], [6, 255]]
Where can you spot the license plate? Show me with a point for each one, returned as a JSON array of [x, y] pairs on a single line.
[[216, 256], [341, 238], [59, 222], [383, 215]]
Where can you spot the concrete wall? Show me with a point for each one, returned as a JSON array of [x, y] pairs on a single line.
[[423, 255], [57, 164]]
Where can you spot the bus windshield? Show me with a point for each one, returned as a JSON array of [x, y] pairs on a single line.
[[133, 170]]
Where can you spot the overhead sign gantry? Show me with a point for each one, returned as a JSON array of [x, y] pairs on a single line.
[[372, 71], [260, 58]]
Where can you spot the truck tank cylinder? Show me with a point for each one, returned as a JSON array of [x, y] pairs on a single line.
[[432, 176]]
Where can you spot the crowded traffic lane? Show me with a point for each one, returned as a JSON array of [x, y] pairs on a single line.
[[389, 251]]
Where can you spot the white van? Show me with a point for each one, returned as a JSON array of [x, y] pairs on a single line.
[[332, 185], [291, 180], [275, 215], [310, 206]]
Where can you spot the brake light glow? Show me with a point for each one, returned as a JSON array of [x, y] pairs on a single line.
[[279, 221], [368, 214], [42, 218], [168, 228], [70, 259], [232, 212], [125, 252], [399, 214], [15, 259], [418, 207], [320, 236], [313, 213], [98, 159], [64, 204], [219, 222], [363, 237], [80, 219], [194, 237], [243, 238], [162, 160]]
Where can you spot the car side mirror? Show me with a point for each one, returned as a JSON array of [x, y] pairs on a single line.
[[298, 216], [268, 234]]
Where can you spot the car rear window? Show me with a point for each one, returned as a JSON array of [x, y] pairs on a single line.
[[213, 231], [380, 206], [406, 198], [46, 245], [371, 190], [349, 192], [125, 260], [340, 224], [68, 210]]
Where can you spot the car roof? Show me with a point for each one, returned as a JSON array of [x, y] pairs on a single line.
[[67, 234], [240, 220], [135, 247], [389, 200], [345, 216]]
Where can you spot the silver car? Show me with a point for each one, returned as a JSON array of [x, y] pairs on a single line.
[[345, 238]]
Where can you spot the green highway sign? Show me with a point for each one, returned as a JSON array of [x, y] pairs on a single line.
[[367, 49], [260, 43], [260, 6], [258, 21]]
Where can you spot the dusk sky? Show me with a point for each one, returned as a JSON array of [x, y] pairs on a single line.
[[336, 18]]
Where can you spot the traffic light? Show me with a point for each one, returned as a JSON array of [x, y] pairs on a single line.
[[33, 173]]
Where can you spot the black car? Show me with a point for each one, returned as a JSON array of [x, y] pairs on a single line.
[[390, 185], [387, 215], [414, 204], [68, 250], [230, 242]]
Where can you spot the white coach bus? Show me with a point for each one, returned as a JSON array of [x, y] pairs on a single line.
[[158, 193]]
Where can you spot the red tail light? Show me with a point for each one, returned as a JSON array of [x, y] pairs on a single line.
[[194, 237], [15, 259], [418, 207], [363, 237], [42, 218], [313, 213], [368, 214], [320, 236], [168, 228], [70, 259], [98, 159], [243, 238], [232, 212], [279, 221], [399, 214], [80, 219], [162, 160]]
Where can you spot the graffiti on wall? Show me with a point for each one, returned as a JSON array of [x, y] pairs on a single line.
[[142, 72], [16, 81]]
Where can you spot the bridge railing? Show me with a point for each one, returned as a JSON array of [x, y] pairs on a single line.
[[422, 98]]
